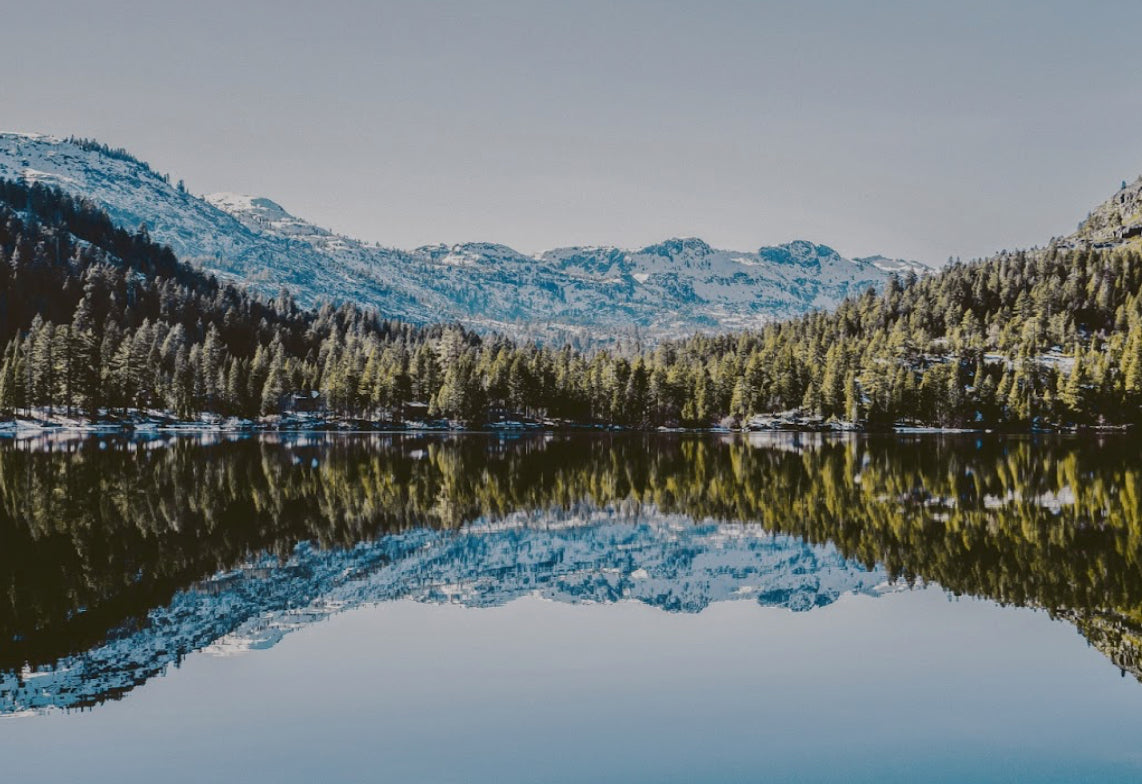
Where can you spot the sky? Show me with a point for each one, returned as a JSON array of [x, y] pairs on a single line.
[[912, 129]]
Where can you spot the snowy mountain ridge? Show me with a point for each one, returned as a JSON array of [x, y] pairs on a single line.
[[599, 555], [668, 289]]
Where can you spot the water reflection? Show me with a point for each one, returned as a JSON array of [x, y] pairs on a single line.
[[121, 556]]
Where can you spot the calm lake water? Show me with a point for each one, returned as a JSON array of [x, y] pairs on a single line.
[[628, 608]]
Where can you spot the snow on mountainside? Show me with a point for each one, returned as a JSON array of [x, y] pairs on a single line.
[[134, 194], [597, 556], [898, 266], [669, 289]]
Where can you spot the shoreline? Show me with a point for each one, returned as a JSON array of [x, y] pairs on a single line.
[[75, 425]]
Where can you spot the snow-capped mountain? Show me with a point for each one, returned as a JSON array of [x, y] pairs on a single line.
[[595, 556], [672, 288], [897, 266]]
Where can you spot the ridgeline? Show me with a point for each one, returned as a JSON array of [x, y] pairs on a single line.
[[102, 324]]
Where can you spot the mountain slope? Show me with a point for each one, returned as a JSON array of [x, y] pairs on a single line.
[[132, 193], [1116, 221], [668, 289]]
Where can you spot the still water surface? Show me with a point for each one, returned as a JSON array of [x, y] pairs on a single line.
[[627, 608]]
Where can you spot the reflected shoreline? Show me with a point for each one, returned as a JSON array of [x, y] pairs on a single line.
[[104, 534]]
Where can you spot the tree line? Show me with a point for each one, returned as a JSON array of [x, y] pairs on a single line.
[[99, 321]]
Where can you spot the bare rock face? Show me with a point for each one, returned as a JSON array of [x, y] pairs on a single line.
[[1117, 221]]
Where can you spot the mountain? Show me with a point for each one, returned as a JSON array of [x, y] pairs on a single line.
[[669, 289], [134, 194], [1116, 221], [898, 266], [601, 556]]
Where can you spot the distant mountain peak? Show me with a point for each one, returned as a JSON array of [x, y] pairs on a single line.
[[589, 293], [800, 253], [677, 246], [472, 254], [899, 266], [238, 204], [260, 214]]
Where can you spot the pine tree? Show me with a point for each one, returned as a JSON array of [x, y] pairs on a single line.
[[854, 410], [1071, 395], [11, 379], [274, 388]]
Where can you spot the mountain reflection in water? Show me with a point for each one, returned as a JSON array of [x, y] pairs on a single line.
[[121, 556]]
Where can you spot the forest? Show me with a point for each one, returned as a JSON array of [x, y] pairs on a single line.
[[99, 321]]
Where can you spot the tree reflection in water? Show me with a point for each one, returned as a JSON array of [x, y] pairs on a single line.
[[95, 532]]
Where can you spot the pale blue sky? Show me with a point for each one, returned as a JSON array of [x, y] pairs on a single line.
[[908, 128]]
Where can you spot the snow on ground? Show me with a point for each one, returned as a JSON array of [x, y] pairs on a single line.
[[1055, 358]]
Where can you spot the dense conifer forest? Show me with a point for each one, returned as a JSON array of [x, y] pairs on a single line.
[[99, 321]]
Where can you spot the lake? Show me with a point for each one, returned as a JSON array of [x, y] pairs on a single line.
[[571, 608]]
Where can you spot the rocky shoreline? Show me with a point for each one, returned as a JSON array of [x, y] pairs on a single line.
[[790, 421]]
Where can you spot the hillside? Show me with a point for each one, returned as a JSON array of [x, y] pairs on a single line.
[[106, 322], [102, 320], [1116, 221], [669, 289]]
